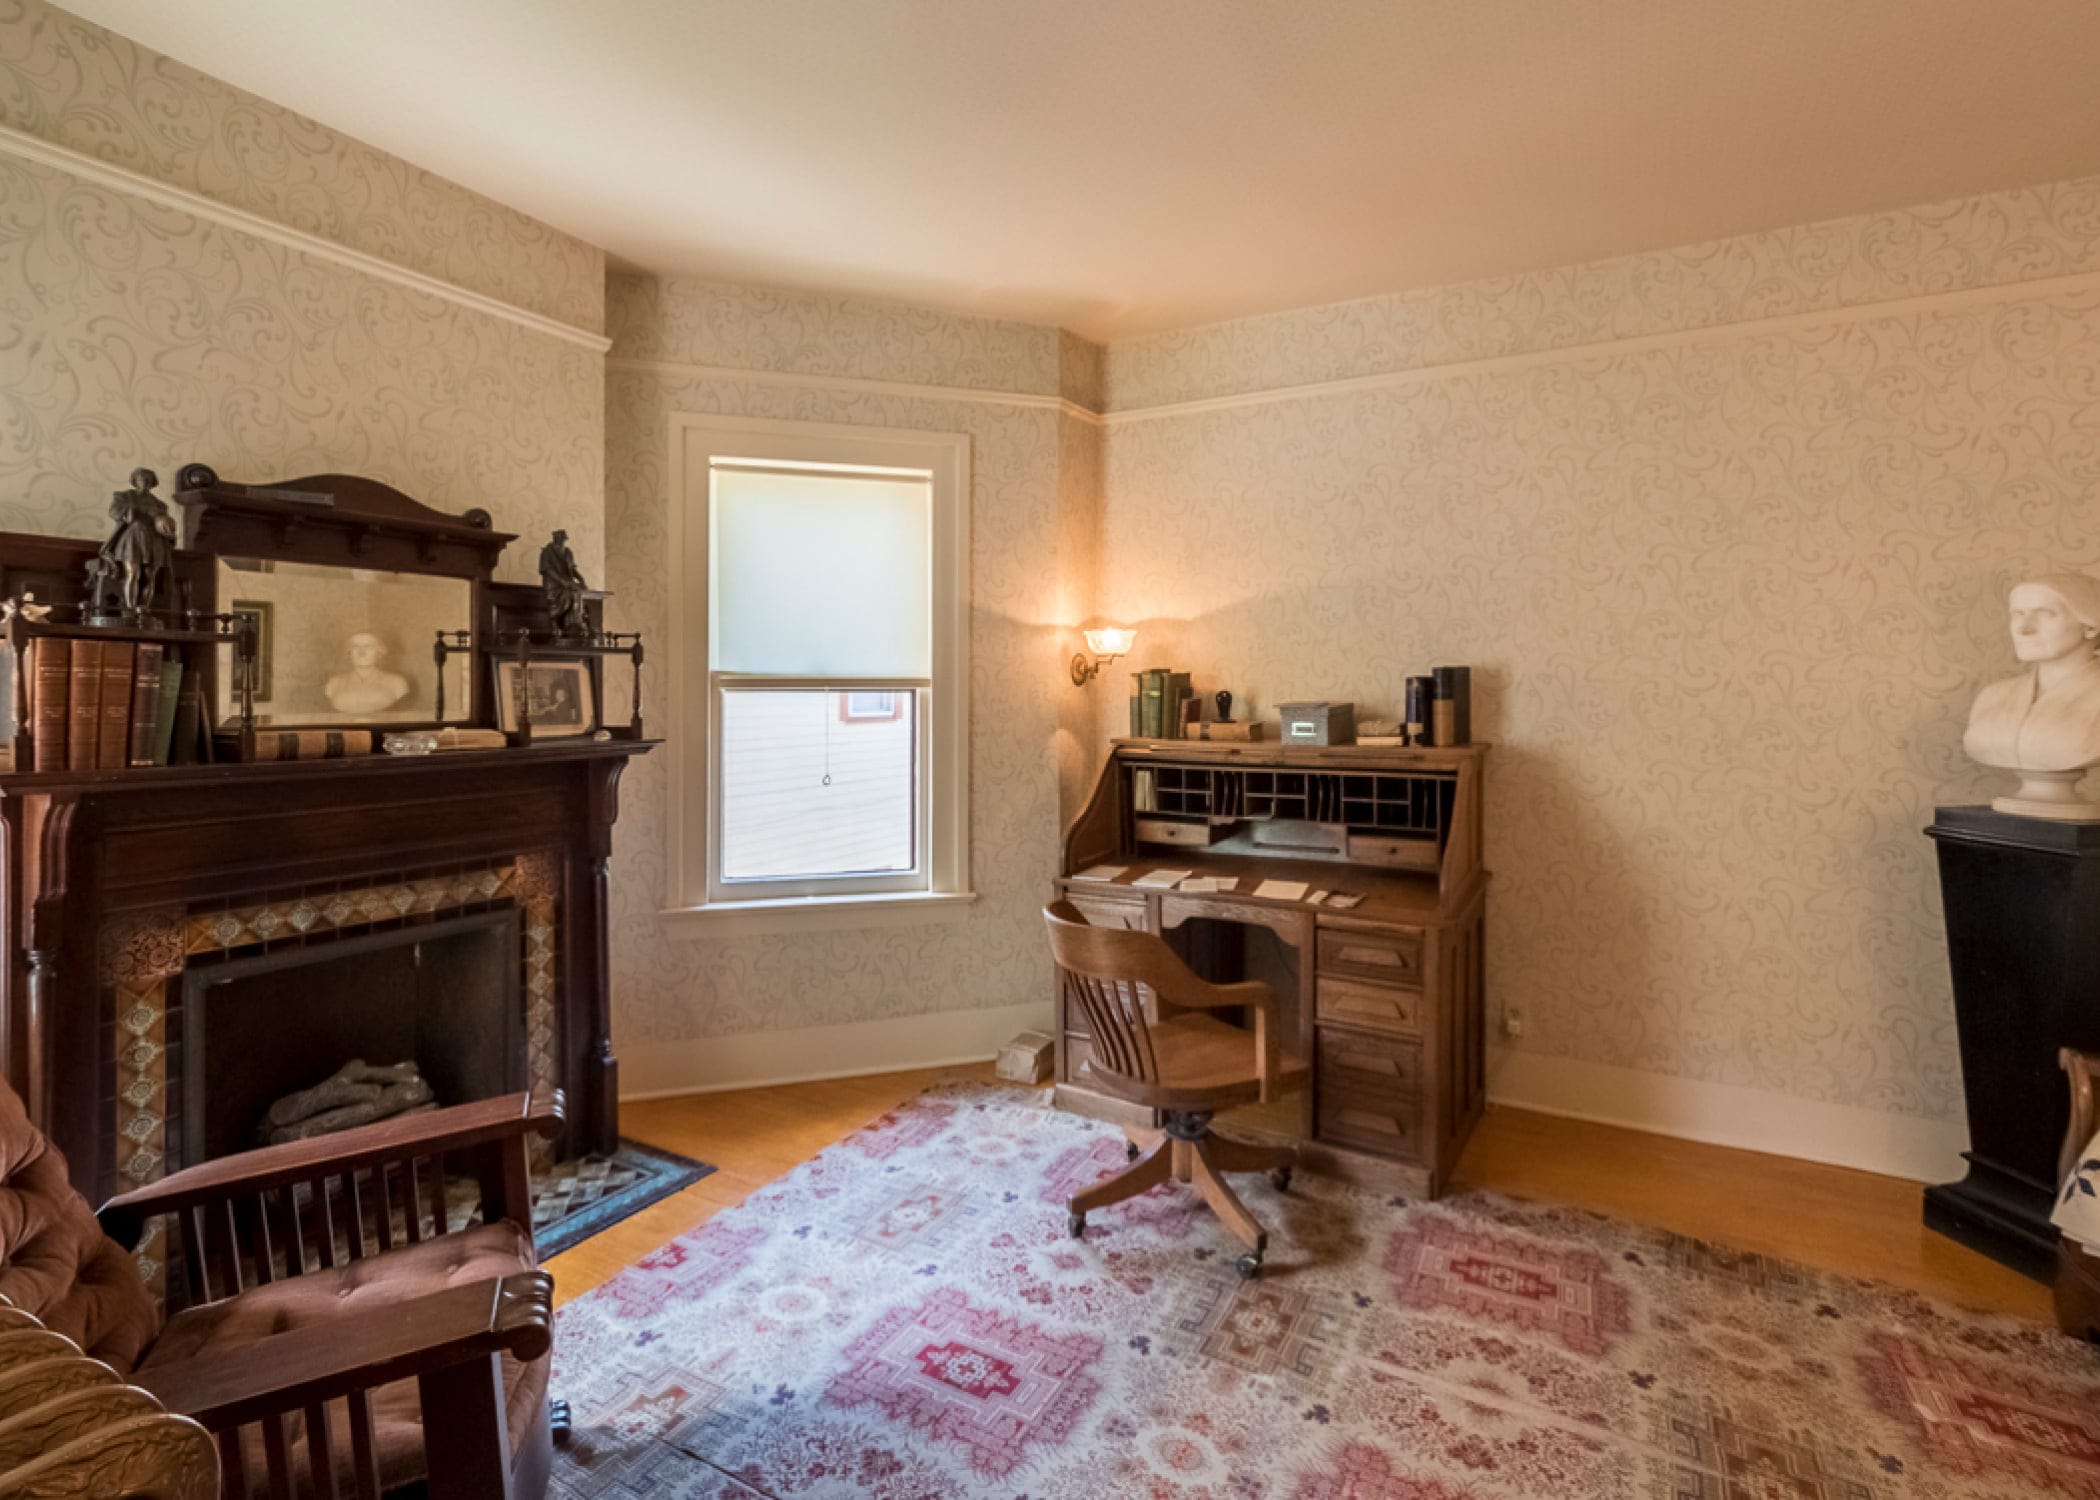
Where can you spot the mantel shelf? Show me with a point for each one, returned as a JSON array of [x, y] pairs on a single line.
[[169, 778]]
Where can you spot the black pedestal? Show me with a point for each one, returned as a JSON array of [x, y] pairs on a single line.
[[2022, 897]]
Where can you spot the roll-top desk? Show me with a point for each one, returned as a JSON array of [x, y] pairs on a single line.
[[1386, 999]]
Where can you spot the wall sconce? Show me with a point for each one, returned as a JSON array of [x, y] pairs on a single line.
[[1107, 643]]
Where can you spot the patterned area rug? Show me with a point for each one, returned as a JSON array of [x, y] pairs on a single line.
[[573, 1200], [904, 1318]]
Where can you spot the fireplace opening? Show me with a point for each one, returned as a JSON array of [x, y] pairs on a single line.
[[442, 995]]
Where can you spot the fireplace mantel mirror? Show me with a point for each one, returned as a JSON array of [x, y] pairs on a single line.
[[337, 646], [347, 586]]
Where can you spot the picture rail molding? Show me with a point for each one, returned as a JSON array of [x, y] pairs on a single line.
[[78, 164]]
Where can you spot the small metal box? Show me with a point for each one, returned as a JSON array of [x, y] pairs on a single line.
[[1317, 723]]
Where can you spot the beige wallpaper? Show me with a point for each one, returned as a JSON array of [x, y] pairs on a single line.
[[1031, 531], [76, 85], [1726, 596], [136, 333]]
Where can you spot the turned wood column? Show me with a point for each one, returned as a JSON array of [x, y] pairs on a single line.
[[592, 895]]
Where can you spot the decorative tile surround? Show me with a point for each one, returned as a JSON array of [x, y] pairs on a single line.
[[143, 955]]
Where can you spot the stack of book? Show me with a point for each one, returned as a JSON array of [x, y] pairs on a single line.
[[103, 705], [1156, 699]]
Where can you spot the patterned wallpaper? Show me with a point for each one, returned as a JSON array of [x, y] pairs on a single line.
[[1727, 600], [2029, 235], [69, 82], [132, 333], [690, 321], [1031, 530]]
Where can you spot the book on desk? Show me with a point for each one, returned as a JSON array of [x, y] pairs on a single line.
[[1350, 879]]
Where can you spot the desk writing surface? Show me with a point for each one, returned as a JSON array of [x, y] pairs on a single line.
[[1389, 895]]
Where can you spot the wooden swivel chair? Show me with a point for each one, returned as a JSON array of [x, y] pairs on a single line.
[[1180, 1061]]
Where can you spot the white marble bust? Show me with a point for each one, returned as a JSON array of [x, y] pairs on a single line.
[[367, 688], [2045, 723]]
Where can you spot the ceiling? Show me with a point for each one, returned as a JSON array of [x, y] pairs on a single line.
[[1124, 166]]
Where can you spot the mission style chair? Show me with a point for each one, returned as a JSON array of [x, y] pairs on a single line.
[[328, 1303], [1178, 1060]]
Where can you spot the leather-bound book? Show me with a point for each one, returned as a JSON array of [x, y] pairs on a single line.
[[113, 737], [145, 703], [50, 700], [311, 744], [84, 718]]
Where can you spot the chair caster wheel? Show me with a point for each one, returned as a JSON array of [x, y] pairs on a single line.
[[558, 1420], [1280, 1179], [1248, 1265], [1130, 1152], [1075, 1225]]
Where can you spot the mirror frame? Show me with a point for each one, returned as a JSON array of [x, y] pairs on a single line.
[[344, 521]]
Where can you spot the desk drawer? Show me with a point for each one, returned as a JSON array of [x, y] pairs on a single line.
[[1393, 852], [1109, 911], [1382, 1007], [1170, 831], [1380, 957], [1385, 1126], [1355, 1064]]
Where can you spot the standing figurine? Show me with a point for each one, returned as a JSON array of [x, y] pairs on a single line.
[[138, 560], [1224, 702], [562, 582]]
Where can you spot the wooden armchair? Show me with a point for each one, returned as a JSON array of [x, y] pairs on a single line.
[[69, 1425], [1179, 1060], [2077, 1269], [329, 1301]]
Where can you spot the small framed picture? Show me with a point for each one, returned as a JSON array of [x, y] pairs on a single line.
[[559, 698], [258, 613]]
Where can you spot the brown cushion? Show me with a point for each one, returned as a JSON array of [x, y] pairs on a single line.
[[474, 1254], [54, 1259]]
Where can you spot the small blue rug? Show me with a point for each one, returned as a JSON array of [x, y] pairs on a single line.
[[574, 1200]]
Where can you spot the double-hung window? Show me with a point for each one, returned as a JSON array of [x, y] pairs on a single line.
[[822, 592]]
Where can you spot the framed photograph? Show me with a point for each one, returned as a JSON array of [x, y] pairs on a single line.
[[257, 613], [558, 698]]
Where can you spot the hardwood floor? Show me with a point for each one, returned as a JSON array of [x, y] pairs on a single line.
[[1830, 1217]]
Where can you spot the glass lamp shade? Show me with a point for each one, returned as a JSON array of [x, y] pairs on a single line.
[[1110, 640]]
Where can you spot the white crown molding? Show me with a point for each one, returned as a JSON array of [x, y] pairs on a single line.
[[672, 369], [1926, 302], [78, 164]]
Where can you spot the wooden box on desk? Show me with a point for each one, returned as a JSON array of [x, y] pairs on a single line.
[[1385, 997]]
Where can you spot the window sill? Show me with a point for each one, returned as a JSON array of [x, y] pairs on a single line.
[[817, 913]]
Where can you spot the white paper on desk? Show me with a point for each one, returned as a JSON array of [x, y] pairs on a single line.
[[1162, 879], [1205, 884], [1281, 890], [1345, 901], [1100, 872]]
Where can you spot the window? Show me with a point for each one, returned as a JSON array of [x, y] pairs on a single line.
[[820, 665]]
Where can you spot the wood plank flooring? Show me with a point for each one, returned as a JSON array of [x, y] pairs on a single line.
[[1830, 1217]]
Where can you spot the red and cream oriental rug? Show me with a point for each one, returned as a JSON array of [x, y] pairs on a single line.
[[905, 1318]]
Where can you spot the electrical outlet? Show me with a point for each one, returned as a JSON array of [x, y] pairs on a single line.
[[1512, 1023]]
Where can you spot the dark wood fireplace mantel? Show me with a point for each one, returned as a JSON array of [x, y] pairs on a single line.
[[106, 873]]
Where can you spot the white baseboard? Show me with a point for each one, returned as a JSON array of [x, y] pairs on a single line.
[[756, 1059], [1723, 1114]]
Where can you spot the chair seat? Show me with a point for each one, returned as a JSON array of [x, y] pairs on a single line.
[[474, 1254], [1205, 1064]]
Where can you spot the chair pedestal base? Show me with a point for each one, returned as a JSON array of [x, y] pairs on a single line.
[[1187, 1151]]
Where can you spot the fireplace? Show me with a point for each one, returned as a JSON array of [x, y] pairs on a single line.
[[446, 995]]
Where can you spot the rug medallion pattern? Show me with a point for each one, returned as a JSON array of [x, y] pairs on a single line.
[[904, 1318]]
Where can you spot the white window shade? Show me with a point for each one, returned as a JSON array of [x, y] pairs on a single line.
[[821, 575]]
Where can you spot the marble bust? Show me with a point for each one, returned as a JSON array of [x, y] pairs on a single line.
[[2045, 723], [367, 688]]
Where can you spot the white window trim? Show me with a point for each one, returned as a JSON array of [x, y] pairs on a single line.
[[945, 730]]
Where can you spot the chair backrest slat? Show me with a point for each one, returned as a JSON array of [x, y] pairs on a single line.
[[1111, 972]]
